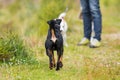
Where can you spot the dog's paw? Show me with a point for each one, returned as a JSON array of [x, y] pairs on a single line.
[[57, 69], [60, 64], [50, 68], [54, 65]]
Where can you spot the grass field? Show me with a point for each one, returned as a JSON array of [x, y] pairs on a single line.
[[79, 62]]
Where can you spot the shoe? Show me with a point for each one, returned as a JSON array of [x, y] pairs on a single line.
[[84, 41], [95, 43]]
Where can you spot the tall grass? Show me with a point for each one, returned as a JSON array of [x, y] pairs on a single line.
[[13, 50], [12, 46]]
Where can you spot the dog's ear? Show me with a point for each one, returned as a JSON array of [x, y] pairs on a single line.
[[58, 21], [49, 22]]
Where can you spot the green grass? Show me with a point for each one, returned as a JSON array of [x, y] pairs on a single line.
[[80, 62]]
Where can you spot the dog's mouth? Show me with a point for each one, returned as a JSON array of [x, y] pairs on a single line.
[[61, 32]]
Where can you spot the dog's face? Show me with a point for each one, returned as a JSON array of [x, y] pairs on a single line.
[[54, 24]]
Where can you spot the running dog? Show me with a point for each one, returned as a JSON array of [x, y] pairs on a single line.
[[54, 42]]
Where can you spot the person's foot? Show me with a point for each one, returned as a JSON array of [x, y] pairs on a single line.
[[95, 43], [84, 41]]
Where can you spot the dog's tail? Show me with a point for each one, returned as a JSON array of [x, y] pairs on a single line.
[[66, 9], [63, 14]]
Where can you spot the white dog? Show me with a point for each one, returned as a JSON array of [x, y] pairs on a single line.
[[63, 27]]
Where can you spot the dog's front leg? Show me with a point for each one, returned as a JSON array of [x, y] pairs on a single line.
[[59, 61], [50, 55], [53, 60]]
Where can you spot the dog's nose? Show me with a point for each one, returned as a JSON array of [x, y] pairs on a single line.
[[60, 30]]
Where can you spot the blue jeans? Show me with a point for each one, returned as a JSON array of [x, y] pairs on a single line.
[[91, 13]]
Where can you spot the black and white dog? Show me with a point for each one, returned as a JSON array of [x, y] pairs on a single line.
[[54, 42], [63, 27]]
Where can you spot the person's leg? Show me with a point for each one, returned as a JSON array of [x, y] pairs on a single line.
[[86, 18], [96, 17]]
